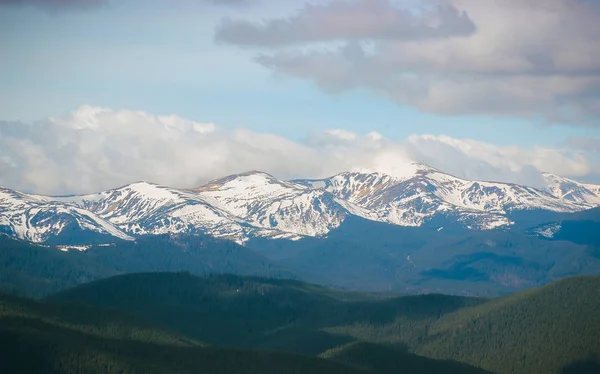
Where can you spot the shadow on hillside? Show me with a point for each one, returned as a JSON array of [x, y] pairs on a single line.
[[17, 356], [589, 366]]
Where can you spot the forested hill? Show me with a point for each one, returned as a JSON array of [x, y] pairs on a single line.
[[553, 329], [40, 338], [34, 270], [385, 359], [64, 338], [536, 331], [257, 312]]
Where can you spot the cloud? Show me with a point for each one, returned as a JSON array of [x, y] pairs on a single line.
[[60, 5], [342, 20], [517, 58], [54, 5], [473, 159], [94, 149], [586, 144]]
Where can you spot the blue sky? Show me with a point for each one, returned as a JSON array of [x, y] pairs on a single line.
[[163, 58]]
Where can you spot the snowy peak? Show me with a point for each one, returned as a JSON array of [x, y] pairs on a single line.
[[254, 183], [266, 202], [424, 193], [35, 219], [256, 204], [400, 170], [355, 187], [572, 191]]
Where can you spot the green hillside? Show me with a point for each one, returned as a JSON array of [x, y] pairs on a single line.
[[41, 338], [252, 312], [537, 331], [548, 330], [386, 360], [34, 270], [63, 338]]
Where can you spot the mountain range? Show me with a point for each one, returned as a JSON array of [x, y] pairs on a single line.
[[256, 205]]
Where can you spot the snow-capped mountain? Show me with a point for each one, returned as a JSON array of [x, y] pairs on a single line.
[[425, 192], [256, 204], [144, 208], [33, 218], [570, 190], [263, 201]]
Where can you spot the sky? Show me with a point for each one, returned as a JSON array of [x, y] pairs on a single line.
[[95, 94]]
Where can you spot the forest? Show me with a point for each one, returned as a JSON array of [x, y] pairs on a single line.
[[178, 322]]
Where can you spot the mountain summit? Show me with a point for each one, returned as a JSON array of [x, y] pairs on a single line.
[[256, 204]]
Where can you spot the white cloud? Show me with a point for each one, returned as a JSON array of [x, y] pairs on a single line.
[[525, 58], [94, 149], [473, 159]]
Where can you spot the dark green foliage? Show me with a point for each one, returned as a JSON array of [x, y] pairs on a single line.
[[267, 313], [41, 338], [589, 366], [387, 360], [538, 331], [33, 270], [535, 332]]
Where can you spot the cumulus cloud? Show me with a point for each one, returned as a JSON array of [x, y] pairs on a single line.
[[94, 149], [537, 59], [473, 159]]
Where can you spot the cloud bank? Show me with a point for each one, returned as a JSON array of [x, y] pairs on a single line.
[[537, 59], [94, 149]]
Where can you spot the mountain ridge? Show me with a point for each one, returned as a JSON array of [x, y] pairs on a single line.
[[256, 204]]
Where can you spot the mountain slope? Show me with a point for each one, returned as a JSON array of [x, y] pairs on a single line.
[[256, 312], [581, 228], [570, 190], [386, 360], [32, 218], [424, 193], [143, 208], [266, 202], [553, 329], [255, 204], [537, 331], [37, 270], [368, 255], [41, 338]]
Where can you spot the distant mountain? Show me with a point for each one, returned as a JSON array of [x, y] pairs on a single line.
[[425, 193], [40, 219], [36, 270], [369, 255], [257, 205], [553, 329], [581, 228], [570, 190], [267, 203]]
